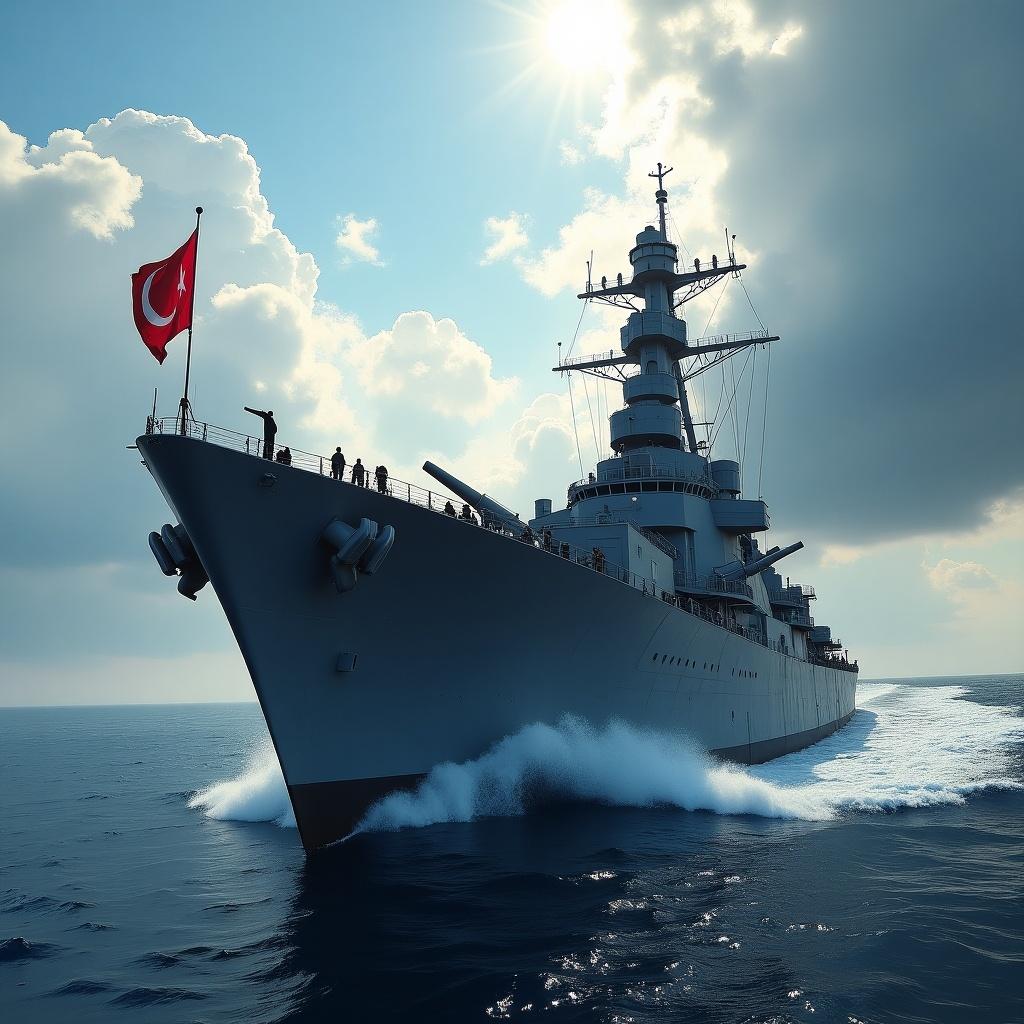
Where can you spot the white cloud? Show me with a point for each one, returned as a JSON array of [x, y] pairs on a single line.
[[425, 362], [71, 182], [507, 236], [728, 25], [353, 239], [954, 577], [570, 155]]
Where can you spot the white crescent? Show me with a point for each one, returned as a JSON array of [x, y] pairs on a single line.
[[148, 311]]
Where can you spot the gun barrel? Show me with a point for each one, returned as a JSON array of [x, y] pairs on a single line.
[[753, 568], [484, 505]]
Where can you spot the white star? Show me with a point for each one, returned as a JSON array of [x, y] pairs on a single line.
[[181, 280]]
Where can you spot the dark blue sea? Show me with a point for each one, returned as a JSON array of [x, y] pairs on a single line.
[[149, 872]]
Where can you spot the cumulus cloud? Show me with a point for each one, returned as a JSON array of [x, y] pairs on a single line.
[[420, 360], [507, 236], [953, 577], [68, 180], [353, 239]]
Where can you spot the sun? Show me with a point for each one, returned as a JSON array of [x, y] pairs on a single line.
[[587, 36]]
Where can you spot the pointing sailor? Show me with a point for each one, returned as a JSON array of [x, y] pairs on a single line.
[[269, 430]]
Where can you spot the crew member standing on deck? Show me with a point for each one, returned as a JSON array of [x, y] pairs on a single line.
[[359, 473], [382, 479], [269, 430], [337, 465]]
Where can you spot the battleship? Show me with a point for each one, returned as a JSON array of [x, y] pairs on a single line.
[[386, 634]]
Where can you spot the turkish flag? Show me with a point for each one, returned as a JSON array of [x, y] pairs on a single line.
[[162, 297]]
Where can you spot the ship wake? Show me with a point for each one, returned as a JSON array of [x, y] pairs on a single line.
[[907, 746]]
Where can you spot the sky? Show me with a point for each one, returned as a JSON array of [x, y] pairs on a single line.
[[400, 203]]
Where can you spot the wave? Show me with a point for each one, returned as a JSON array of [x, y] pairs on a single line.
[[19, 948], [81, 987], [907, 746], [156, 996], [617, 764], [911, 746], [258, 793]]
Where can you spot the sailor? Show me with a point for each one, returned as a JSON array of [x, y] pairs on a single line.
[[527, 536], [696, 265], [591, 478], [269, 430], [359, 474], [563, 549], [382, 479], [284, 456], [714, 262], [337, 465], [546, 537], [597, 556], [449, 509]]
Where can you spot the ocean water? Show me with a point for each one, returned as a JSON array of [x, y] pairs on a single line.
[[150, 871]]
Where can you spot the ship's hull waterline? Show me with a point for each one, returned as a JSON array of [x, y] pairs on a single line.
[[462, 637]]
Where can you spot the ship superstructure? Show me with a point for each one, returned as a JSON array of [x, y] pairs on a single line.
[[385, 634]]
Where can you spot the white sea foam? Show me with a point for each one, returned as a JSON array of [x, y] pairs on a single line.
[[907, 746], [257, 794]]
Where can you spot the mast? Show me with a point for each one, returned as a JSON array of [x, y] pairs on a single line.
[[657, 412], [661, 196]]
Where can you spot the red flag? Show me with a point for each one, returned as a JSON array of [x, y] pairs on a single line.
[[162, 297]]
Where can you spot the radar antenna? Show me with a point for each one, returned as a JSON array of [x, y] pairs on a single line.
[[661, 195]]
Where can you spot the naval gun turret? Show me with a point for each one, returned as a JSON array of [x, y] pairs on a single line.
[[743, 570], [488, 509]]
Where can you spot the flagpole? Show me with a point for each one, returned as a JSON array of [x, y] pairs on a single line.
[[186, 409]]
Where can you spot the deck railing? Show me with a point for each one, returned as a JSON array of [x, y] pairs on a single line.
[[614, 474], [436, 501], [688, 581], [404, 491], [614, 519]]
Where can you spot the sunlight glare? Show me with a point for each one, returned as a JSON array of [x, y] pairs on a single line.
[[588, 35]]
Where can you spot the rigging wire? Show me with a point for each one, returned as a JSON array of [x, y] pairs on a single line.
[[579, 323], [593, 426], [572, 403], [767, 384], [746, 422], [714, 436], [576, 433], [732, 415], [764, 422], [752, 310], [703, 383], [676, 231]]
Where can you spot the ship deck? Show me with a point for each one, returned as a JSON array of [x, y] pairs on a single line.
[[435, 501]]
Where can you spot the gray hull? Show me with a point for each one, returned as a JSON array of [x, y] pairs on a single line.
[[463, 637]]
